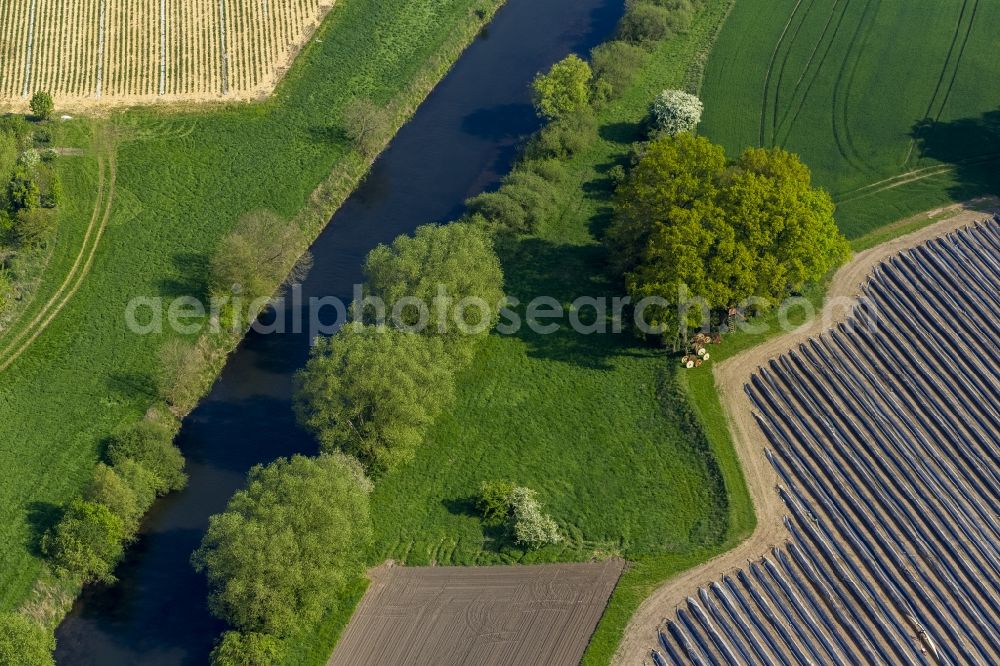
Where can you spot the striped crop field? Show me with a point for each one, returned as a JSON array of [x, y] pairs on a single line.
[[889, 102], [885, 436], [88, 52]]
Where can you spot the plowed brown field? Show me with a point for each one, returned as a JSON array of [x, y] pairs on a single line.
[[489, 616]]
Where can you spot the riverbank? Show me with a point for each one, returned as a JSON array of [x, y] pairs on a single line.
[[462, 139], [182, 181]]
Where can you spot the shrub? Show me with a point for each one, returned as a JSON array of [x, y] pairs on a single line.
[[247, 649], [143, 483], [616, 63], [29, 159], [182, 366], [644, 24], [532, 528], [372, 392], [551, 170], [458, 258], [533, 193], [367, 125], [34, 227], [257, 256], [87, 542], [8, 154], [42, 105], [287, 544], [24, 643], [151, 445], [564, 90], [675, 111], [41, 137], [23, 191], [53, 192], [494, 501], [500, 209], [501, 502], [563, 138], [110, 490]]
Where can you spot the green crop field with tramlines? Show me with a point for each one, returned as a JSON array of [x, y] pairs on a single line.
[[892, 103]]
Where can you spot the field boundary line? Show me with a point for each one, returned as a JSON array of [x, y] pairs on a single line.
[[30, 47], [812, 81], [775, 123], [842, 89], [770, 70], [750, 442], [224, 55], [77, 273], [163, 46], [100, 51], [944, 70]]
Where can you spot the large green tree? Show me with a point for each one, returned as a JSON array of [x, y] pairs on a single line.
[[564, 89], [452, 270], [687, 221], [284, 546], [373, 391]]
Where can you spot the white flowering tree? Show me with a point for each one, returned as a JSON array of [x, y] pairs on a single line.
[[675, 111]]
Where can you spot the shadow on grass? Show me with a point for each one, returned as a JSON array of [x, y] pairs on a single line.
[[972, 145], [128, 384], [536, 268], [190, 277], [624, 133], [42, 516], [497, 538]]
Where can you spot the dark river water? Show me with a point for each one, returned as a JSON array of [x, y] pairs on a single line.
[[461, 141]]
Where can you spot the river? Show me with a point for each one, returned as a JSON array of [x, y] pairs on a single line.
[[462, 140]]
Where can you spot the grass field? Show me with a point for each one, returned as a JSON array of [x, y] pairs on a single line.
[[888, 102], [129, 51], [182, 180]]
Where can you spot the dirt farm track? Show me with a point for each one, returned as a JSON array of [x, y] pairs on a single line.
[[490, 616], [121, 52], [731, 378]]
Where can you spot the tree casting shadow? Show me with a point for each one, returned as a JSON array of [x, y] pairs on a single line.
[[971, 145]]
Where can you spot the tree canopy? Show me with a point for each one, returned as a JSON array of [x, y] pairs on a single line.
[[685, 217], [564, 90], [87, 542], [151, 445], [286, 545], [675, 111], [257, 255], [457, 258], [372, 392]]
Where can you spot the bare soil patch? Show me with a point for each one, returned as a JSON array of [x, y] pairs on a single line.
[[541, 614]]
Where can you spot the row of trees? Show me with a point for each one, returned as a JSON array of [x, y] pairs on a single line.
[[301, 531], [370, 392], [141, 463]]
